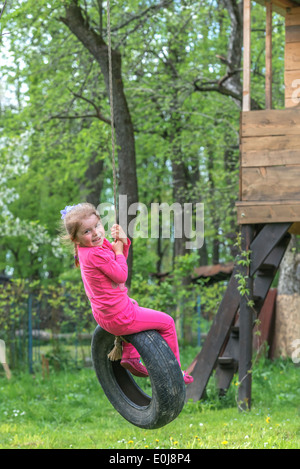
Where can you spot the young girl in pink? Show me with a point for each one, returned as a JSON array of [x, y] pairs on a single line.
[[104, 273]]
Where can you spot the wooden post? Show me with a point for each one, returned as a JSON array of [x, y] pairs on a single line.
[[45, 367], [268, 84], [245, 329], [3, 359], [30, 342], [247, 56]]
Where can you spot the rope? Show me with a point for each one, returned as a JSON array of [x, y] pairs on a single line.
[[111, 107], [116, 352]]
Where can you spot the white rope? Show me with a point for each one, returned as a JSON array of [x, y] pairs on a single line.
[[111, 107], [116, 352]]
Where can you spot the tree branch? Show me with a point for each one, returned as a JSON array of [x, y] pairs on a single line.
[[100, 8], [58, 116], [2, 11], [230, 83], [216, 86], [78, 25], [162, 4], [229, 75], [98, 113]]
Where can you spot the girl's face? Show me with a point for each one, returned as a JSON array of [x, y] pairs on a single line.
[[91, 232]]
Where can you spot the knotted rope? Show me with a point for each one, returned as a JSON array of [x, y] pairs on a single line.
[[116, 352]]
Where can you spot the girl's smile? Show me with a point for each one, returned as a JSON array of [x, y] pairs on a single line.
[[91, 232]]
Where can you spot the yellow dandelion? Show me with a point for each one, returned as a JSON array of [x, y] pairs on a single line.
[[268, 419], [224, 442], [130, 442], [157, 440], [146, 446], [175, 442]]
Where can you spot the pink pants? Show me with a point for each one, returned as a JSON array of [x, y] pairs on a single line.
[[142, 319]]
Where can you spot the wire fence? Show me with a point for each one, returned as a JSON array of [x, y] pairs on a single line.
[[51, 325], [45, 326]]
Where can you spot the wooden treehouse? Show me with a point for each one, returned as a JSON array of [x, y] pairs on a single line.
[[268, 209]]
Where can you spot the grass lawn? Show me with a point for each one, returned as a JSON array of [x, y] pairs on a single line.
[[69, 410]]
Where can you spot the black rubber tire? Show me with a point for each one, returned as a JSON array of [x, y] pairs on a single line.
[[168, 388]]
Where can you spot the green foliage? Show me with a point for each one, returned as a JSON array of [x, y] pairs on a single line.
[[243, 259], [51, 138], [178, 298], [53, 79]]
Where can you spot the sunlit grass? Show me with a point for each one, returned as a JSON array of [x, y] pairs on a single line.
[[69, 410]]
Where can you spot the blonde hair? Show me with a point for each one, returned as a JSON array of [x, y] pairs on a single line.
[[72, 221]]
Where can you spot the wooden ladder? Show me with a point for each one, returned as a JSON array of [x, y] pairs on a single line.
[[223, 349]]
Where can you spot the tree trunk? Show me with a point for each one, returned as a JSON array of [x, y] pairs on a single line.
[[91, 188], [234, 53], [289, 276], [97, 47], [287, 324]]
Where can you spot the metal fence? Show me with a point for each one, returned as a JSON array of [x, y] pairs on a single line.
[[44, 327]]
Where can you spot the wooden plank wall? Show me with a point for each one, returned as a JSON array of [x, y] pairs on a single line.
[[270, 148], [270, 167], [270, 155], [292, 58]]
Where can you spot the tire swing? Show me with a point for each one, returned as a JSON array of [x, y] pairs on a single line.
[[168, 388]]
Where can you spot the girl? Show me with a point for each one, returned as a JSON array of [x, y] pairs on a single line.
[[104, 273]]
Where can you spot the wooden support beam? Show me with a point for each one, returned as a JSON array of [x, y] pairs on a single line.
[[247, 56], [268, 84], [267, 249], [263, 244], [204, 363], [267, 271], [261, 285]]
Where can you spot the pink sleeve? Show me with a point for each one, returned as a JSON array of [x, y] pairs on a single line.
[[114, 268], [126, 248]]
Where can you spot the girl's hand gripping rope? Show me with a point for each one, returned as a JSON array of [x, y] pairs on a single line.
[[118, 234]]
